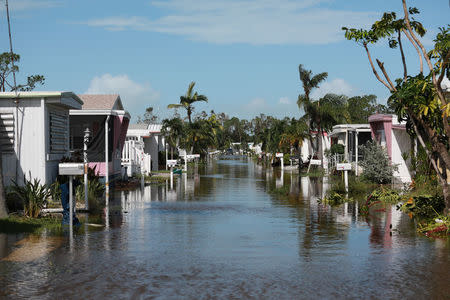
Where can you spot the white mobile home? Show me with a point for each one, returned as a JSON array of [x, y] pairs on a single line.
[[351, 136], [34, 133], [147, 141], [391, 135]]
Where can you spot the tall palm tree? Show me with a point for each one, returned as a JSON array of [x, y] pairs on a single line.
[[309, 83], [188, 99], [311, 108]]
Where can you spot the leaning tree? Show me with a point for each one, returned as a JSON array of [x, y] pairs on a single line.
[[417, 99]]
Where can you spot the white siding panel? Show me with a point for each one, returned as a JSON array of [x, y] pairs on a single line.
[[401, 143], [30, 138]]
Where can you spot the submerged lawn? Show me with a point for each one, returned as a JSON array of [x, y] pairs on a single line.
[[17, 224]]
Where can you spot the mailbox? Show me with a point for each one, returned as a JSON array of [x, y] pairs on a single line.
[[71, 169], [344, 167], [171, 163], [279, 155], [315, 162]]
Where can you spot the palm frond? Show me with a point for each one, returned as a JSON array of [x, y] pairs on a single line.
[[201, 98], [190, 89], [318, 78], [175, 105]]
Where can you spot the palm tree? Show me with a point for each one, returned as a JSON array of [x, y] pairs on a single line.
[[311, 108], [173, 130], [187, 100]]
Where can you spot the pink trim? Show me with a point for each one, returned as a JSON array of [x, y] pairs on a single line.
[[100, 168], [388, 133], [384, 122]]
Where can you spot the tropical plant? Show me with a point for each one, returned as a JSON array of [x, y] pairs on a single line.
[[385, 195], [173, 130], [424, 206], [311, 108], [418, 99], [95, 193], [376, 164], [33, 194], [188, 99]]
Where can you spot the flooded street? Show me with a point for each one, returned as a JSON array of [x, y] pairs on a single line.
[[231, 230]]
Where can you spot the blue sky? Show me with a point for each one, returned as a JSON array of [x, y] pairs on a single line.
[[243, 54]]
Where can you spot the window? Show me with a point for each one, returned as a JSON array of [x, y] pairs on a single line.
[[58, 132]]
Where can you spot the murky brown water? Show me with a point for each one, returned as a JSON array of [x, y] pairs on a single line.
[[221, 234]]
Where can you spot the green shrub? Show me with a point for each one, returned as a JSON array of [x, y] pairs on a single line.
[[385, 195], [424, 206], [356, 186], [333, 198], [376, 164], [95, 194], [337, 149], [32, 194]]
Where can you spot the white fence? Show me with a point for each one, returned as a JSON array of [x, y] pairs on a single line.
[[135, 159]]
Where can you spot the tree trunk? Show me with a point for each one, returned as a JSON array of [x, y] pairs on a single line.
[[446, 193], [3, 208]]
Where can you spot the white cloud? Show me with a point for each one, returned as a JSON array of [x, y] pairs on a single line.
[[135, 96], [256, 105], [284, 100], [245, 21], [29, 4], [337, 86], [278, 108]]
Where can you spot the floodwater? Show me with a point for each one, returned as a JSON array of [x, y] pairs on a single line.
[[231, 229]]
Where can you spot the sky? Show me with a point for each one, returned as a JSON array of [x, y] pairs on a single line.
[[242, 54]]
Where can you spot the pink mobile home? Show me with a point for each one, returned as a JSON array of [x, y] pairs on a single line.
[[100, 114]]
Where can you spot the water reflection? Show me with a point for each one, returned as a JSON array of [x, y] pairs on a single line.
[[233, 229]]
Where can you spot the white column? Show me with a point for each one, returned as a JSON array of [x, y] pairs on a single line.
[[356, 153], [85, 148], [107, 160], [346, 146], [171, 177], [346, 180], [167, 155]]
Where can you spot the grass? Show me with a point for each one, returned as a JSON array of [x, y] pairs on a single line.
[[18, 224], [314, 172], [356, 187], [157, 178]]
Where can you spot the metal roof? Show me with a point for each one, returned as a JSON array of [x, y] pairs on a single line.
[[138, 126], [32, 94], [154, 128]]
